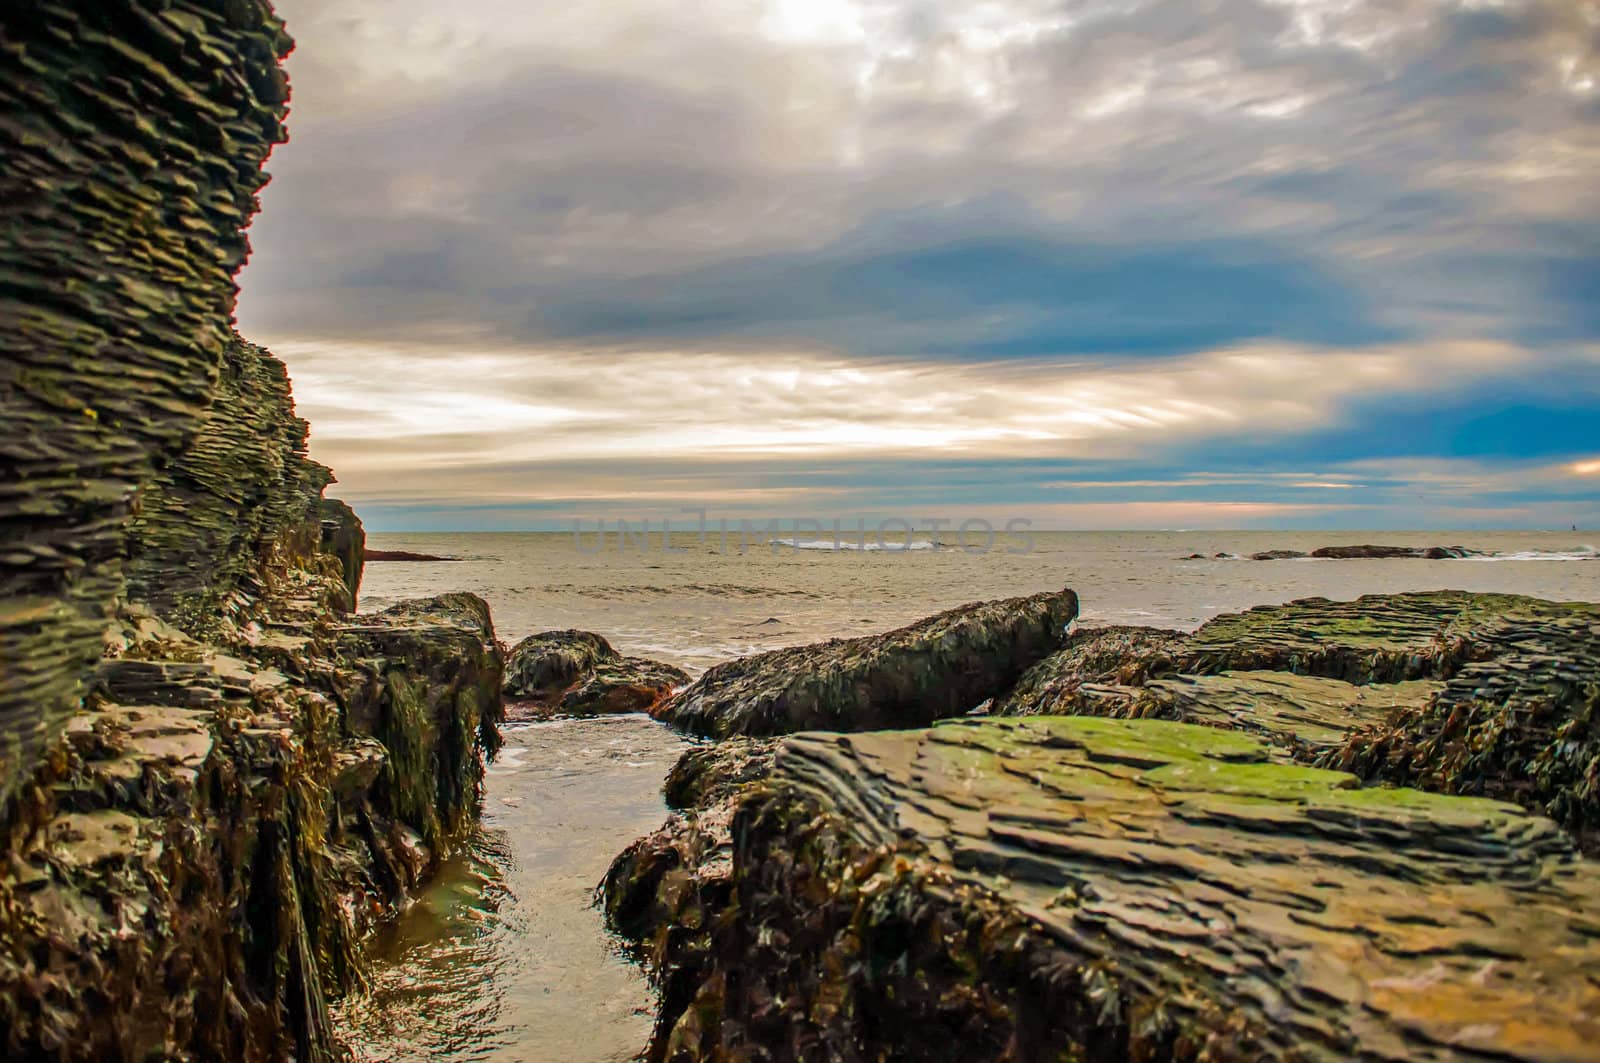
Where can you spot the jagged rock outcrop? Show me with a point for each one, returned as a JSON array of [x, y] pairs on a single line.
[[198, 864], [1101, 889], [942, 666], [1483, 694], [134, 134], [212, 782], [578, 673], [1190, 878], [344, 538]]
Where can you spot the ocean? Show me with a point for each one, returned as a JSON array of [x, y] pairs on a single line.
[[504, 958]]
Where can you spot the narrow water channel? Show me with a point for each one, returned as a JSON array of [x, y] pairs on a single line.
[[503, 958]]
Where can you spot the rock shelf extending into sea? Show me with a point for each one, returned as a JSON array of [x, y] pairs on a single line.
[[1159, 846]]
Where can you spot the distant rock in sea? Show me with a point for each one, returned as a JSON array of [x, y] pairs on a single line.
[[1363, 553], [404, 555]]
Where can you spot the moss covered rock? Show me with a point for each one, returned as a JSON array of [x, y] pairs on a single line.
[[1104, 889]]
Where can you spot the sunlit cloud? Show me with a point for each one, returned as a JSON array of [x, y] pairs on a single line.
[[1273, 253]]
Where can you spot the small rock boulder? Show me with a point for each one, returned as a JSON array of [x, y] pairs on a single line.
[[544, 666], [578, 673], [623, 684]]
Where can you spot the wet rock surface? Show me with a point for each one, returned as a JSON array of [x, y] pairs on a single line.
[[1129, 889], [578, 673], [1175, 869], [943, 666], [623, 684]]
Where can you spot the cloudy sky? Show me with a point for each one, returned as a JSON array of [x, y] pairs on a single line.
[[1098, 263]]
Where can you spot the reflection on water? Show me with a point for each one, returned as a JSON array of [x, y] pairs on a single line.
[[503, 958]]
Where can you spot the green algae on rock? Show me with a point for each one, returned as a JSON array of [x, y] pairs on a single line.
[[1091, 888], [943, 666], [1486, 694]]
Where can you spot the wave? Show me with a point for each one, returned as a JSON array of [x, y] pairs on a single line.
[[841, 544], [1577, 553]]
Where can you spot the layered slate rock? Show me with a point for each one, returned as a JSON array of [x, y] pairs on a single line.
[[1103, 889], [1375, 638], [133, 134], [578, 673], [1481, 694], [1520, 721], [942, 666], [194, 871], [208, 790], [205, 518]]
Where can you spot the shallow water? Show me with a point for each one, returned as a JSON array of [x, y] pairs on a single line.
[[504, 959]]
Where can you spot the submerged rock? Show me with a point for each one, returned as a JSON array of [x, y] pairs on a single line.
[[1083, 888], [942, 666]]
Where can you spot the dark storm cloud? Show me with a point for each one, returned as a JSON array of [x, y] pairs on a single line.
[[1299, 169]]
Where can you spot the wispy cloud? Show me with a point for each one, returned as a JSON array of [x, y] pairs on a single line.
[[1248, 236]]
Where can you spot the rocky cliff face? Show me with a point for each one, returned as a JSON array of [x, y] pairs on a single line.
[[134, 135], [213, 778]]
